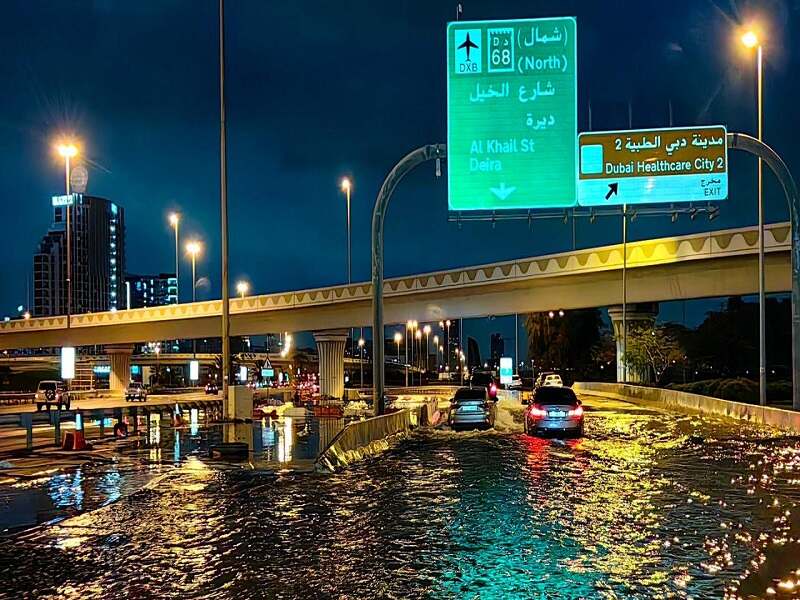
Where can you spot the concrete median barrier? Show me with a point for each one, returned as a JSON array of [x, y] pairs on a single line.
[[684, 401]]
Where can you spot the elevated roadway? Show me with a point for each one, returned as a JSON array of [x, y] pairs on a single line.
[[710, 264]]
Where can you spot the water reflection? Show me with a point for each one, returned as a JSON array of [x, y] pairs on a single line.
[[646, 506]]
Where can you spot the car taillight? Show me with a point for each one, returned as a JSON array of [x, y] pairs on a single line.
[[493, 390], [576, 412], [537, 411]]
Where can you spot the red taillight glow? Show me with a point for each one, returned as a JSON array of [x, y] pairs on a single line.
[[493, 390], [537, 412], [576, 412]]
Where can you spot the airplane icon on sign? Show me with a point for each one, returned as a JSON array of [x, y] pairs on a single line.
[[469, 45]]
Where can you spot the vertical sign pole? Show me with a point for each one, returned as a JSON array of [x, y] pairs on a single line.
[[624, 292]]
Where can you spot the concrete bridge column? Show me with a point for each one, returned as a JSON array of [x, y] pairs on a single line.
[[120, 356], [635, 315], [330, 349]]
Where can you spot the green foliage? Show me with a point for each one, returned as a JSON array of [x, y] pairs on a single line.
[[738, 389], [564, 341], [651, 349]]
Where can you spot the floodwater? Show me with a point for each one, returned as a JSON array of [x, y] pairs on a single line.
[[647, 505]]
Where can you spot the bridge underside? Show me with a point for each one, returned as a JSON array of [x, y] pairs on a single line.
[[696, 278]]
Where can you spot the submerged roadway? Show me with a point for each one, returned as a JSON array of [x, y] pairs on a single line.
[[649, 504]]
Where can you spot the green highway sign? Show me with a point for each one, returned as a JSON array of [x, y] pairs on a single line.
[[512, 114]]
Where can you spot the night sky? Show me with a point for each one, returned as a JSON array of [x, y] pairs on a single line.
[[317, 90]]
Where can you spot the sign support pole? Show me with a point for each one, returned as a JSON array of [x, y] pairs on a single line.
[[406, 165], [624, 292]]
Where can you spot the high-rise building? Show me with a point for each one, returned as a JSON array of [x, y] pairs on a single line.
[[98, 258], [151, 290]]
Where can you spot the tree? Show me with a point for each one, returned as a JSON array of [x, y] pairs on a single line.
[[650, 349], [259, 364], [564, 341]]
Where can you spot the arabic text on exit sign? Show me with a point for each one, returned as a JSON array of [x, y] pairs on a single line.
[[684, 164]]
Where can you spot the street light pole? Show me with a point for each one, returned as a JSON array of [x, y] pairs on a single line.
[[69, 241], [750, 40], [346, 186], [174, 220], [762, 327], [193, 248], [67, 151], [223, 197], [361, 359], [762, 320]]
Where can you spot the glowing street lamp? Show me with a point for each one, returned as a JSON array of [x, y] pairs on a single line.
[[68, 151], [361, 343], [409, 327], [750, 40], [242, 287], [397, 338], [418, 335], [174, 221], [427, 331], [193, 248], [346, 185]]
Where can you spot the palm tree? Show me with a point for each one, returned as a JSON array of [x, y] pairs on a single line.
[[259, 364]]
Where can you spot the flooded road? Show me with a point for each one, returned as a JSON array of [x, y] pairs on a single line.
[[647, 505]]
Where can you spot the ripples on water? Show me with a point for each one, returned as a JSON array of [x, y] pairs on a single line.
[[643, 507]]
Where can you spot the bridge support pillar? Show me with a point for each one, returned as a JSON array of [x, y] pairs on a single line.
[[330, 350], [120, 356], [643, 313]]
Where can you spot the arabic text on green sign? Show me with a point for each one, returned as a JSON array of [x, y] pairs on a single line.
[[512, 114]]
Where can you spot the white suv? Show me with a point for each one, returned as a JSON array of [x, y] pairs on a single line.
[[553, 380], [51, 393]]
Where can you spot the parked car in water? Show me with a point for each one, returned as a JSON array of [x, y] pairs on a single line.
[[51, 393], [471, 408], [548, 378], [554, 409], [135, 392]]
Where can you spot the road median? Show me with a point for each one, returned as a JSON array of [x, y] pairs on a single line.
[[682, 401]]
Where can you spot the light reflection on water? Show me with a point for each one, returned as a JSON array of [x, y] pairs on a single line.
[[646, 506]]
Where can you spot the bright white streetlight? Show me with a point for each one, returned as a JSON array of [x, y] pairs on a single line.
[[174, 221], [242, 287]]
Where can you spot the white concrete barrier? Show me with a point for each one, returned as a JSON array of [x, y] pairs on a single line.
[[364, 438], [676, 400]]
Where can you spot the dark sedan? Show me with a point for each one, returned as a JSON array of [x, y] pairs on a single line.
[[554, 410]]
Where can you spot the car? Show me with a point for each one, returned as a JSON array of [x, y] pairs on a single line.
[[486, 380], [212, 388], [554, 410], [471, 407], [548, 378], [51, 393], [516, 383], [135, 392]]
